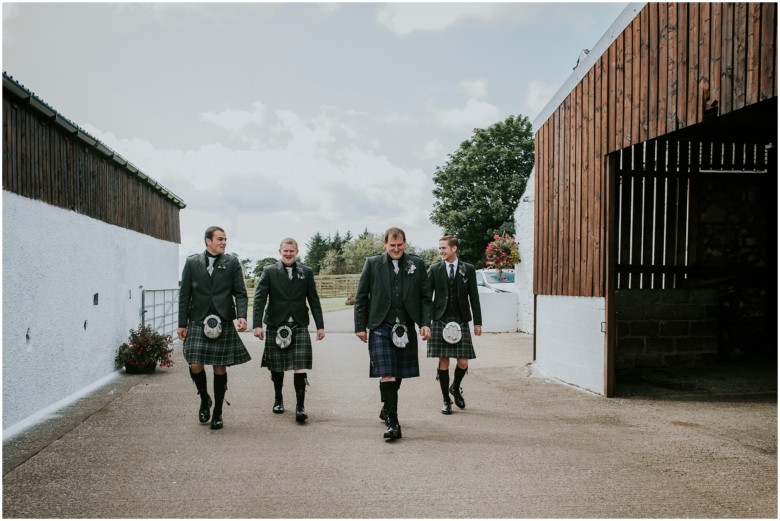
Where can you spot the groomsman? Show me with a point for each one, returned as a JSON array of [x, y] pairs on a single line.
[[287, 286], [392, 296], [211, 296], [453, 284]]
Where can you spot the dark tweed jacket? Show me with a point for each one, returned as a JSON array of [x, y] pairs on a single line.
[[199, 290]]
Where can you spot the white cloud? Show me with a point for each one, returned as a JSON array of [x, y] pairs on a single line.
[[405, 18], [432, 150], [537, 95], [475, 114], [236, 120], [474, 88]]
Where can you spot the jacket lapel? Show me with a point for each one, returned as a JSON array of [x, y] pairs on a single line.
[[203, 273], [384, 272]]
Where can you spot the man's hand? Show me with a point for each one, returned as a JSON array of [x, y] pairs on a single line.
[[320, 334], [477, 330], [362, 335], [182, 333], [425, 332], [259, 333], [242, 324]]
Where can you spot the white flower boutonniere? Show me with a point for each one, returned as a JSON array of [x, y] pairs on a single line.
[[411, 267], [299, 271], [462, 271]]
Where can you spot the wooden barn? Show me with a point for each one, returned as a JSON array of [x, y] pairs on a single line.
[[656, 197]]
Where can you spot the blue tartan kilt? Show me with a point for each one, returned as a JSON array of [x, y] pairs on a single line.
[[439, 348], [298, 355], [228, 349], [389, 360]]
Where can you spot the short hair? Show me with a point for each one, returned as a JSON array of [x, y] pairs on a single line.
[[288, 240], [395, 232], [210, 232], [451, 240]]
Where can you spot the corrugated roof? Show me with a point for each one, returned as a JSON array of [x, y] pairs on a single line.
[[68, 126]]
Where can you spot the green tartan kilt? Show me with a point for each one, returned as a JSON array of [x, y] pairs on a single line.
[[228, 349], [439, 348], [298, 355]]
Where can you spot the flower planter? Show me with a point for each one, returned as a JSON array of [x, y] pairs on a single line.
[[134, 369]]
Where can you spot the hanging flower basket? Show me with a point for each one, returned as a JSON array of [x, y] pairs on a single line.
[[502, 253]]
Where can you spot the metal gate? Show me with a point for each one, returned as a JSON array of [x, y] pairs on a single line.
[[160, 310]]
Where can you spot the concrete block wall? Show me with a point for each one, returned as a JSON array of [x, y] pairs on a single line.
[[666, 328]]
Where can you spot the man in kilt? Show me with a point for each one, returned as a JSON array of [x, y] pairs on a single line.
[[211, 296], [391, 297], [286, 286], [453, 284]]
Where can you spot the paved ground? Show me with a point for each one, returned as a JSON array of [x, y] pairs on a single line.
[[524, 447]]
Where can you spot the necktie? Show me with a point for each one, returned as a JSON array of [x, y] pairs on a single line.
[[395, 266], [210, 269], [452, 271], [289, 272]]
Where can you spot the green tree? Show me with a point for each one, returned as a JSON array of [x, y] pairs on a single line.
[[246, 264], [316, 249], [477, 190], [333, 264], [356, 251], [262, 263]]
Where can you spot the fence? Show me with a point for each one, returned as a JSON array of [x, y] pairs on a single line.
[[160, 310]]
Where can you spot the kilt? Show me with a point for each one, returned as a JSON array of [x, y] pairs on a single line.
[[389, 360], [228, 349], [298, 355], [439, 348]]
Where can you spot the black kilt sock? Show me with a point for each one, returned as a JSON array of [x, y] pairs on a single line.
[[398, 383], [201, 385], [220, 386], [278, 379], [390, 391], [459, 374], [444, 383], [299, 382]]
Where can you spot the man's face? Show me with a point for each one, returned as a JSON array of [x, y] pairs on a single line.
[[217, 244], [446, 252], [288, 252], [395, 246]]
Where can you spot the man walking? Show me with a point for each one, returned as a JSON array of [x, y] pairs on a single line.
[[391, 297], [453, 284], [286, 286], [211, 296]]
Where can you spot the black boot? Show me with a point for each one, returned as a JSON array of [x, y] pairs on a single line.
[[278, 378], [393, 432], [443, 376], [383, 412], [300, 382], [456, 391], [220, 386], [205, 400]]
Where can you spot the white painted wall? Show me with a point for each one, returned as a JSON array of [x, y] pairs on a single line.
[[56, 342], [569, 342], [524, 272], [499, 312]]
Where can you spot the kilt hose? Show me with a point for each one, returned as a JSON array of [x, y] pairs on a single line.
[[389, 360], [226, 350], [439, 348], [298, 355]]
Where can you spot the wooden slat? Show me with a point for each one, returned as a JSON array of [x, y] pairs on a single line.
[[576, 275], [660, 203], [753, 73], [671, 96], [682, 65], [740, 55], [716, 49], [636, 88], [569, 202], [621, 99], [644, 71], [586, 262], [693, 65], [768, 59], [663, 71], [648, 205], [599, 177], [727, 59], [626, 104], [705, 99], [653, 70]]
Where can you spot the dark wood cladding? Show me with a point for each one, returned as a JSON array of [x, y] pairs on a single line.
[[673, 66], [42, 161]]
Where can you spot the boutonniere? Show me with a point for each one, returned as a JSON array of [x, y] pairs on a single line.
[[462, 271], [299, 271], [222, 265], [410, 269]]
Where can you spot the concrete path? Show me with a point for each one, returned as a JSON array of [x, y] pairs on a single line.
[[524, 447]]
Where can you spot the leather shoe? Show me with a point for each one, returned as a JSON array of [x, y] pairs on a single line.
[[384, 416], [393, 433], [446, 407], [300, 414], [216, 423], [456, 394], [204, 413], [278, 407]]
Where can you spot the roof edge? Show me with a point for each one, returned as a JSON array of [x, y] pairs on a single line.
[[588, 61], [70, 127]]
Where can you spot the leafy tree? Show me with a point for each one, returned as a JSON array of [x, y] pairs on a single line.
[[262, 264], [246, 264], [316, 249], [478, 188], [357, 250], [333, 264]]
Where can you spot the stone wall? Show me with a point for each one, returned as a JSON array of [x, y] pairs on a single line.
[[666, 328]]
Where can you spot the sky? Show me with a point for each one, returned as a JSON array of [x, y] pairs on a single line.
[[287, 119]]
